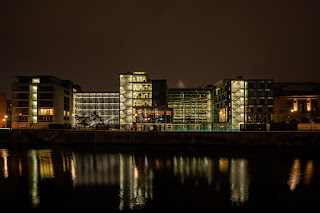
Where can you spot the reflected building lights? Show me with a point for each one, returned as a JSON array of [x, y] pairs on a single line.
[[135, 185], [72, 169], [33, 180], [193, 168], [239, 181], [294, 176], [308, 173], [4, 155], [223, 165], [46, 168]]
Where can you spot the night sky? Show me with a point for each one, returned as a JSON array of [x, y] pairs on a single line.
[[189, 43]]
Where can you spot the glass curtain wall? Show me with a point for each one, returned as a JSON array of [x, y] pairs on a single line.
[[96, 108]]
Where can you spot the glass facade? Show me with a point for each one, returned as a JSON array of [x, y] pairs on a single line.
[[135, 91], [92, 108], [191, 106]]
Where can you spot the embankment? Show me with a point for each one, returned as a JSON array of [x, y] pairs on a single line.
[[294, 139]]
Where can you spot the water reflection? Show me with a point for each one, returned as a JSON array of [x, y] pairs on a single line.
[[296, 174], [46, 169], [33, 178], [239, 181], [131, 177], [194, 168], [4, 154], [135, 183], [308, 173]]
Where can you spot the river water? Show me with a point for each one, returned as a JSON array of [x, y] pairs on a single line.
[[158, 178]]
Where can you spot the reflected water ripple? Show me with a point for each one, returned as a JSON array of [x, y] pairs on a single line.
[[122, 180]]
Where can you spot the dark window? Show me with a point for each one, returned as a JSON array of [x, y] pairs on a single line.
[[262, 85], [262, 101], [23, 111], [302, 106], [45, 95], [46, 88], [66, 103], [259, 109], [23, 118], [314, 106], [66, 92], [270, 101], [23, 95], [252, 101], [45, 103], [45, 118], [23, 103], [23, 88], [288, 105]]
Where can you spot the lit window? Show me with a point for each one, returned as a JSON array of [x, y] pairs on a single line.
[[36, 80]]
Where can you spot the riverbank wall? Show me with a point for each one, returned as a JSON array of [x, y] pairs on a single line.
[[300, 139]]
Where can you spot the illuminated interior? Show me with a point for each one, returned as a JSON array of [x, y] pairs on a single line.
[[191, 106], [92, 108], [34, 101], [237, 103], [135, 91]]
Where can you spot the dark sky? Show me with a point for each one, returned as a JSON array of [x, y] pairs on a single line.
[[195, 42]]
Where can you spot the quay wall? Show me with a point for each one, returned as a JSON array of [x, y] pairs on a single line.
[[300, 139]]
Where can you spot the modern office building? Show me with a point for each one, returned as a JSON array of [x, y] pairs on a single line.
[[159, 93], [230, 97], [93, 108], [143, 103], [242, 103], [135, 91], [192, 108], [41, 101], [260, 101], [297, 102]]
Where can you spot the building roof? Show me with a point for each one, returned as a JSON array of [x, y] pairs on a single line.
[[297, 88]]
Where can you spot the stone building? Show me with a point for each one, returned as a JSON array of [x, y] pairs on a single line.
[[297, 102]]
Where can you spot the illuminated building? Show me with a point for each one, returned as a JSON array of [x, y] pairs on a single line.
[[135, 90], [299, 102], [40, 101], [243, 103], [158, 116], [192, 108], [93, 108], [142, 102], [230, 100]]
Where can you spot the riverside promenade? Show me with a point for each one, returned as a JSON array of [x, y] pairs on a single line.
[[259, 139]]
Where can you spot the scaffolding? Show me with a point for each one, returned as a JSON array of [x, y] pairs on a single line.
[[92, 108]]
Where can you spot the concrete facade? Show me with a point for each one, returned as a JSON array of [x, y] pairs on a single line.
[[38, 101]]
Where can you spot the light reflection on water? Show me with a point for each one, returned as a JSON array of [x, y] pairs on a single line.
[[132, 178]]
